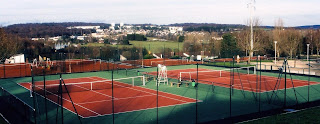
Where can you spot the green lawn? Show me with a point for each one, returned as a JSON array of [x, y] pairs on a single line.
[[153, 46], [308, 116]]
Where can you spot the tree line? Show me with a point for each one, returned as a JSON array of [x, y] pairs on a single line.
[[13, 44], [34, 30], [291, 42]]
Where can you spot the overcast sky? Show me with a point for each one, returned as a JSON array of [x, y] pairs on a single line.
[[293, 12]]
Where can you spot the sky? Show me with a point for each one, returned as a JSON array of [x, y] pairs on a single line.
[[292, 12]]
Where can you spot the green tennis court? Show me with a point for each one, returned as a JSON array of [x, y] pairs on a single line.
[[214, 102]]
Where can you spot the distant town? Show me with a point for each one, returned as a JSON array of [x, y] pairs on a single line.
[[116, 32]]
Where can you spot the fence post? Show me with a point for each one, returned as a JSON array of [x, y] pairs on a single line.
[[45, 94], [157, 83], [197, 93], [112, 95], [34, 97], [4, 70], [285, 82]]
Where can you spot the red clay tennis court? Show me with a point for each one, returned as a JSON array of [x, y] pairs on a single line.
[[242, 81], [92, 96]]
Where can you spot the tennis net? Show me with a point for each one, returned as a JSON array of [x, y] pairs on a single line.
[[88, 86], [192, 75]]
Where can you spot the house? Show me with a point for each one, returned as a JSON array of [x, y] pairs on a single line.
[[84, 27], [174, 30]]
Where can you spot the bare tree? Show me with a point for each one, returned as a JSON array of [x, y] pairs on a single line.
[[8, 45], [313, 38], [260, 38], [278, 35], [192, 42], [317, 41], [292, 41], [243, 40]]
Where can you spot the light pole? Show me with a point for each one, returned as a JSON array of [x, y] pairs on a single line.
[[275, 52], [251, 6], [308, 52]]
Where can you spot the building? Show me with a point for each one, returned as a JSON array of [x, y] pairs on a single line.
[[174, 30], [58, 46], [84, 27]]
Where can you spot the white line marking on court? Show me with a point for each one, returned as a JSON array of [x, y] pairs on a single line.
[[68, 101], [270, 78], [140, 109], [151, 94], [49, 99], [155, 94], [115, 99], [94, 91]]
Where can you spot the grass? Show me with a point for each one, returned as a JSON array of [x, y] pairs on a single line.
[[307, 116], [153, 46]]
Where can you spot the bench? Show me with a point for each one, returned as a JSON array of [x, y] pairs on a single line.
[[178, 84], [186, 82], [149, 78]]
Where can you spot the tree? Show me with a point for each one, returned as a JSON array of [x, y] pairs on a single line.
[[243, 40], [228, 46], [181, 39], [279, 36], [261, 38], [313, 38], [192, 42], [317, 41], [137, 37], [9, 45], [106, 41], [293, 39]]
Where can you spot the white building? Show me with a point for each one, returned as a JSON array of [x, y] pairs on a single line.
[[98, 35], [78, 37], [36, 39], [84, 27], [58, 46], [175, 29], [19, 58], [55, 38]]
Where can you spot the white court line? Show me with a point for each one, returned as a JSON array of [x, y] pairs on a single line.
[[261, 89], [49, 99], [184, 102], [83, 87], [94, 91], [63, 79], [141, 109], [265, 81], [115, 99], [271, 78], [245, 88], [73, 102], [293, 87], [158, 95], [97, 114]]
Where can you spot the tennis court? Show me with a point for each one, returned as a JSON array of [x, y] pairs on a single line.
[[240, 78], [92, 96], [136, 100]]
